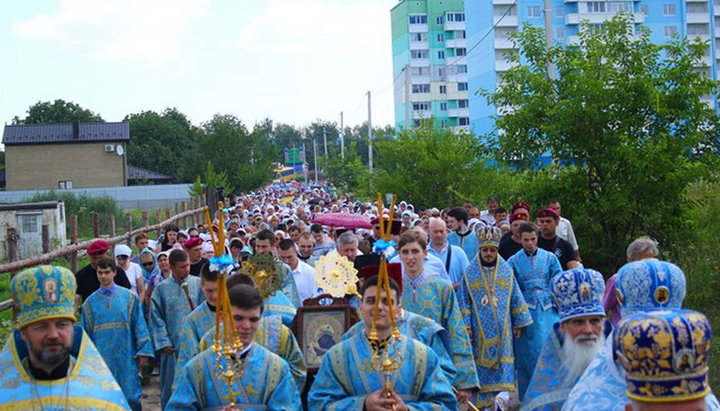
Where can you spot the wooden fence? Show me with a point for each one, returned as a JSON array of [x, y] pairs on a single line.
[[183, 216]]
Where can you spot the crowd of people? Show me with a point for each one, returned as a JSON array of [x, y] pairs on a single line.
[[494, 308]]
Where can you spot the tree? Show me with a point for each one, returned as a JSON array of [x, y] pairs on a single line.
[[164, 142], [58, 111], [432, 167], [349, 174], [625, 120]]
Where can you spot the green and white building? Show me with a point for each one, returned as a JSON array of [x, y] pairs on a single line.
[[429, 63]]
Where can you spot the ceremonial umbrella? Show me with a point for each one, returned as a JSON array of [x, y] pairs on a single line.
[[345, 220]]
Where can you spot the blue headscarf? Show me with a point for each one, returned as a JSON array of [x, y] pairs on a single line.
[[149, 274]]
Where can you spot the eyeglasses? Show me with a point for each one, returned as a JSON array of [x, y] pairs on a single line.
[[150, 264], [122, 257]]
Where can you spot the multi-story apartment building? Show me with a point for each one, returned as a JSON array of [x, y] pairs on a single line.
[[490, 23], [429, 63]]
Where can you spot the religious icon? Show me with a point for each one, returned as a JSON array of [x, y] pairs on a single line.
[[662, 294], [50, 289], [585, 291], [684, 360]]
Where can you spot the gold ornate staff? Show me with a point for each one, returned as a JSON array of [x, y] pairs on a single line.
[[227, 344], [382, 361], [186, 288]]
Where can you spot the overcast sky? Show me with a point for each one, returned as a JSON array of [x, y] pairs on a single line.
[[291, 60]]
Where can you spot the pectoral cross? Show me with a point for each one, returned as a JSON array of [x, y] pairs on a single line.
[[490, 298]]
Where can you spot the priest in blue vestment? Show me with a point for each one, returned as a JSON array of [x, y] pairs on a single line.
[[574, 340], [533, 268], [347, 380], [641, 286], [265, 383], [434, 298], [171, 301], [494, 310], [48, 362], [113, 319]]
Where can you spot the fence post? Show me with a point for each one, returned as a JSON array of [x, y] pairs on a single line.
[[45, 238], [112, 226], [183, 208], [145, 219], [168, 213], [96, 224], [158, 213], [12, 240], [128, 227], [73, 240]]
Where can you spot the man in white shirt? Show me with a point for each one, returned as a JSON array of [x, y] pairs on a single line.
[[452, 256], [302, 273], [564, 229]]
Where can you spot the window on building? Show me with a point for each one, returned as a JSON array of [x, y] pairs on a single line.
[[697, 29], [443, 89], [461, 68], [668, 9], [419, 54], [29, 223], [443, 124], [596, 6], [420, 88], [439, 20], [460, 51], [441, 72], [463, 121], [65, 184], [416, 123], [619, 6], [462, 86], [560, 33], [443, 106], [424, 106], [670, 31], [462, 104], [644, 9], [419, 71], [418, 37], [441, 37], [418, 18], [460, 34], [698, 7], [441, 54], [533, 12], [455, 17], [559, 11]]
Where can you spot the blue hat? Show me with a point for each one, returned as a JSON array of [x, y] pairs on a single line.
[[488, 236], [44, 292], [649, 285], [578, 292], [665, 355]]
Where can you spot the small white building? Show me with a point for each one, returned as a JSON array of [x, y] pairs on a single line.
[[26, 220]]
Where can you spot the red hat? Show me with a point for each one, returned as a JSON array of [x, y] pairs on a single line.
[[394, 271], [192, 242], [98, 246], [520, 204], [519, 215], [548, 212]]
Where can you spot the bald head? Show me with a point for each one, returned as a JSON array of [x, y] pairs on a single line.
[[438, 232]]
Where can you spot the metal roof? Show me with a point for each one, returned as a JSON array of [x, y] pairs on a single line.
[[42, 205], [63, 133], [136, 173]]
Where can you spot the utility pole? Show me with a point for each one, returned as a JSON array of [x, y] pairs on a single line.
[[305, 167], [370, 136], [549, 35], [315, 158], [325, 141], [342, 137]]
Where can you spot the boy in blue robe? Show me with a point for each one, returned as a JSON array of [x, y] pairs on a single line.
[[266, 382], [347, 381], [533, 268], [48, 362], [460, 235], [434, 298], [114, 321], [171, 301], [494, 310]]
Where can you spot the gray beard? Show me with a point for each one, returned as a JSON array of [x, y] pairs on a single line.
[[578, 355], [52, 359]]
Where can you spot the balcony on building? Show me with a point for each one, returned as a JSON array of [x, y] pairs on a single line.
[[504, 65], [598, 18], [458, 112], [421, 114], [455, 43], [457, 77], [503, 2], [504, 43], [506, 21], [695, 18], [418, 28], [420, 79], [419, 62], [419, 45], [458, 129]]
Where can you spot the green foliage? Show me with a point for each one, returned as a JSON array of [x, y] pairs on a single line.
[[83, 206], [164, 142], [349, 174], [58, 111], [210, 178], [433, 167], [626, 124]]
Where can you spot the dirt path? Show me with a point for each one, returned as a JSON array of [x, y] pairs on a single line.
[[151, 394]]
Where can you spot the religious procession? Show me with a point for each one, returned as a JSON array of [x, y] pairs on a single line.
[[294, 297]]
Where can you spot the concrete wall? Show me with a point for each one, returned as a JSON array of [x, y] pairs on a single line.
[[42, 166]]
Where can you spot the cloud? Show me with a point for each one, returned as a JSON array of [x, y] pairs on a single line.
[[319, 26], [144, 31]]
